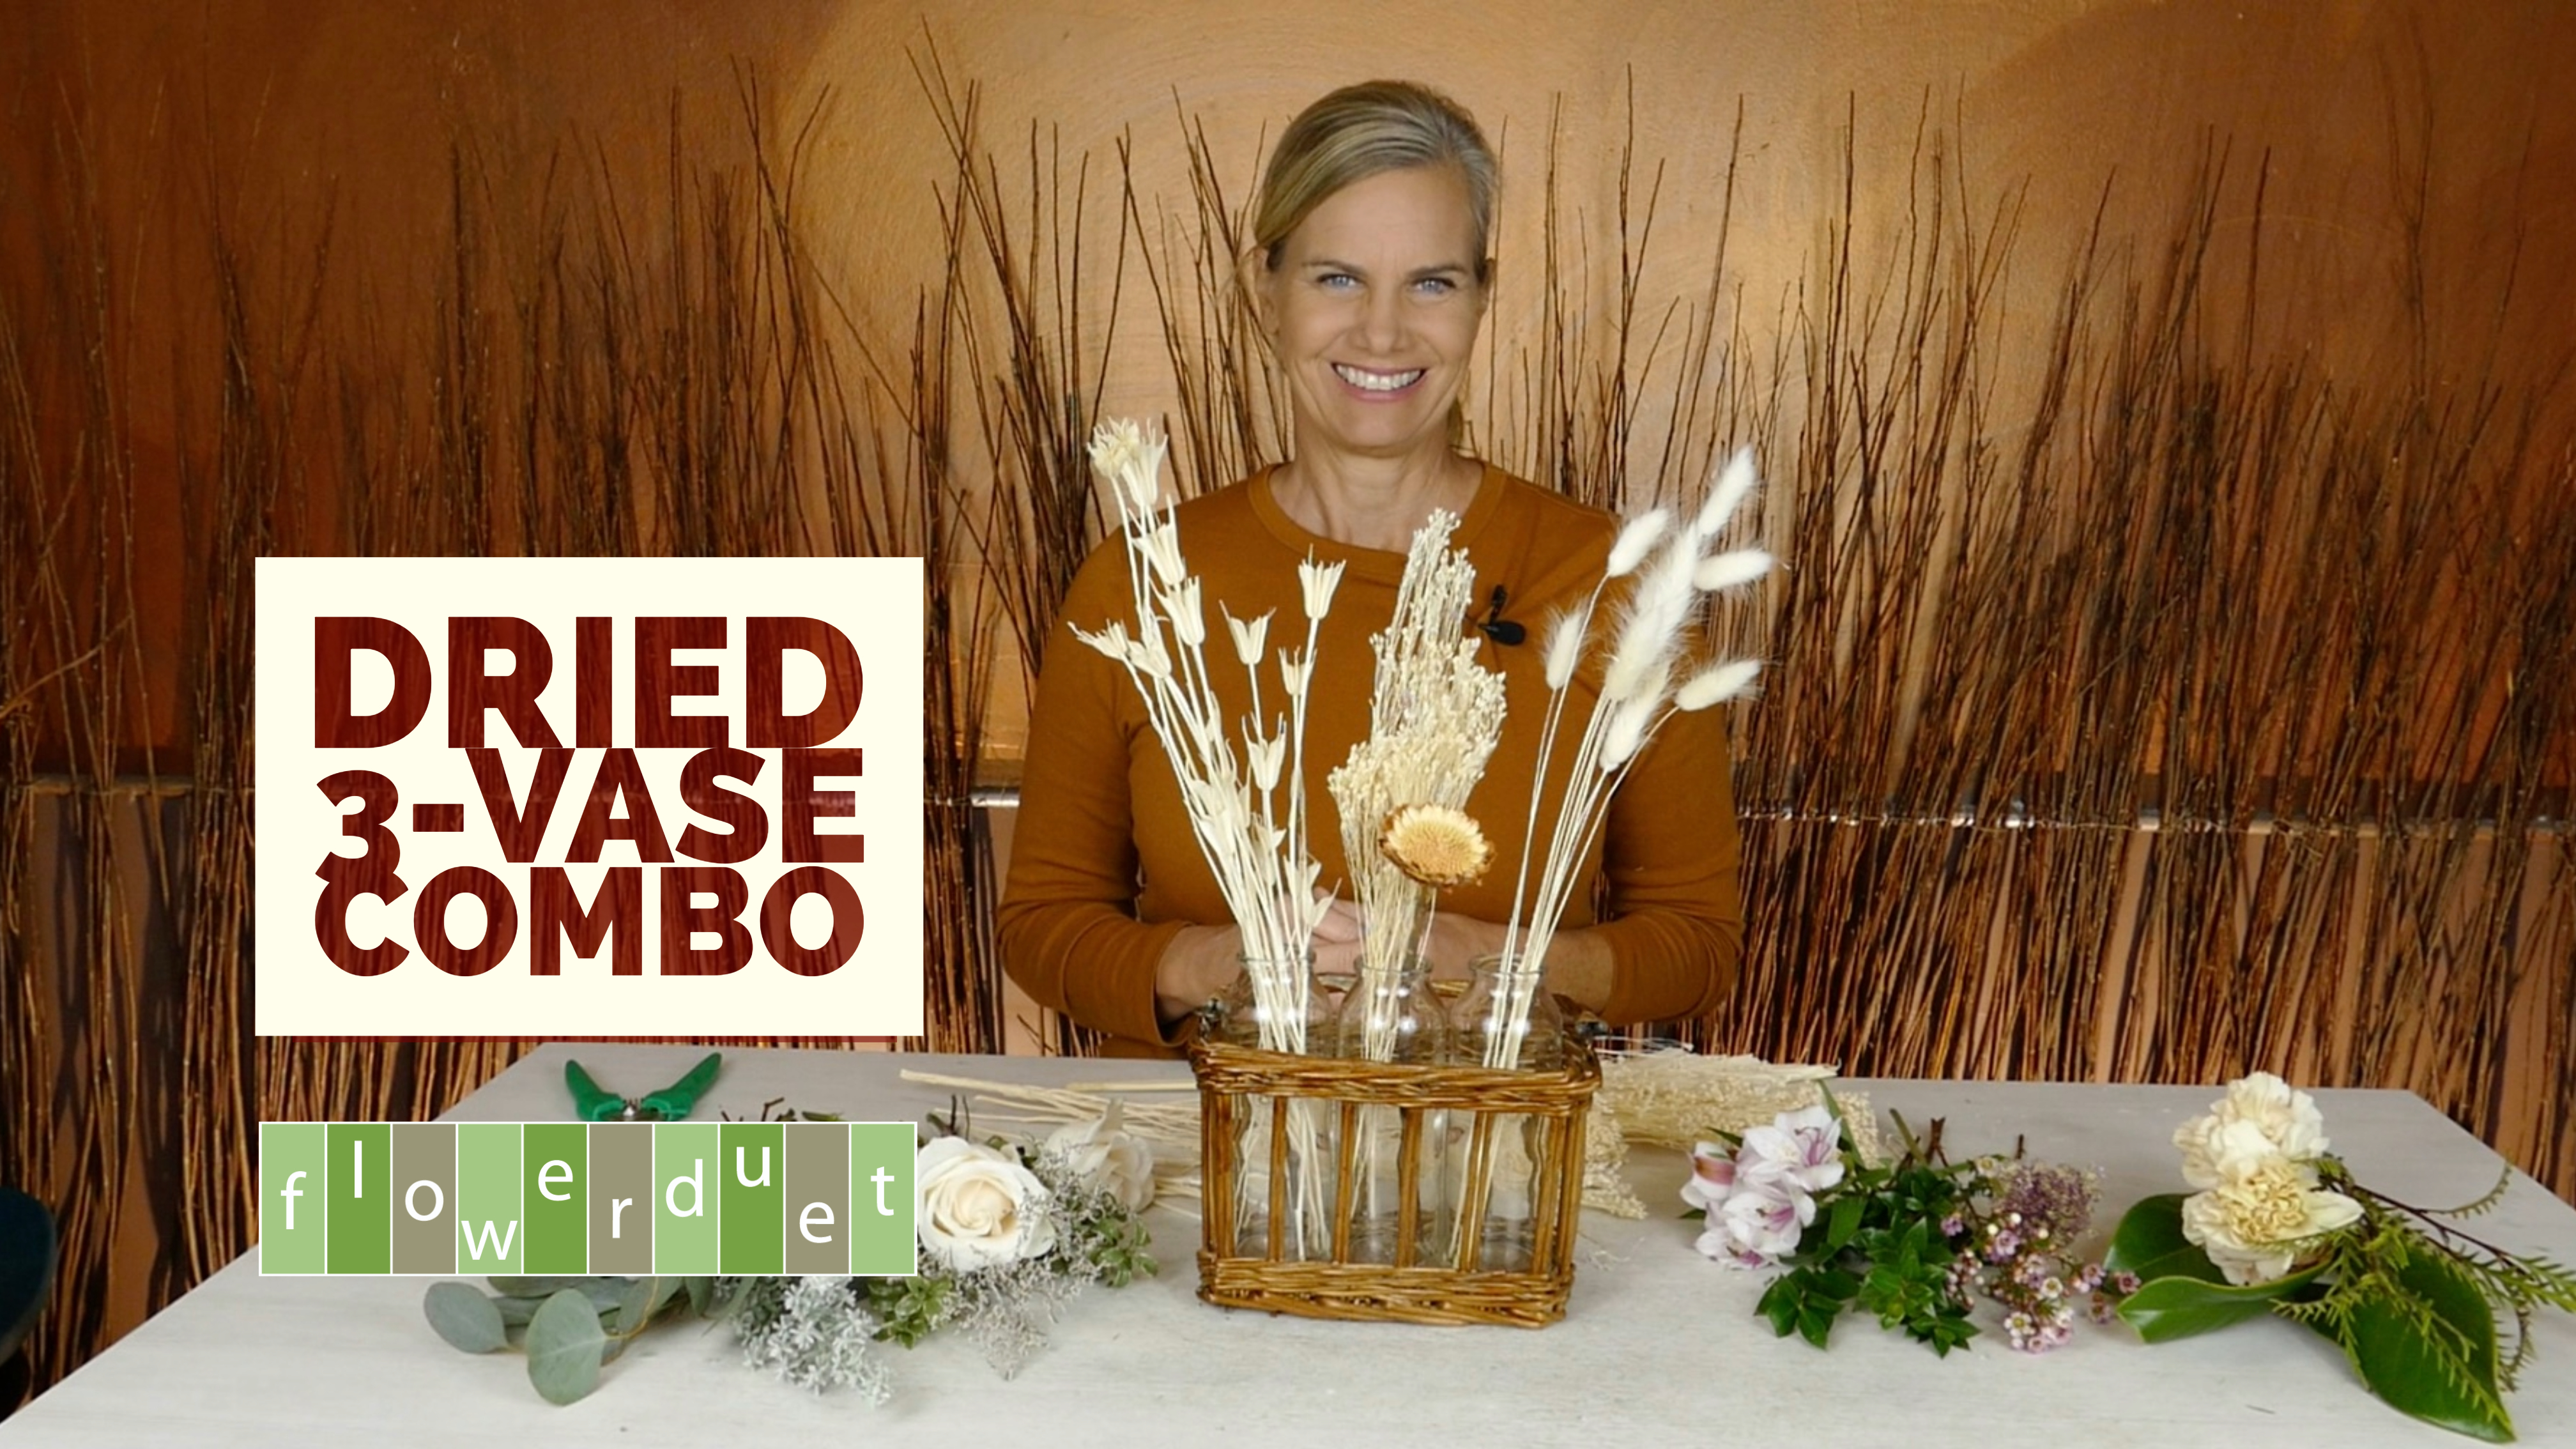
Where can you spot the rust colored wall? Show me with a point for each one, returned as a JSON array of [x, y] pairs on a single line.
[[282, 117]]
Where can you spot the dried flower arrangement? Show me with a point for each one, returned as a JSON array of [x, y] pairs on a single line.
[[1644, 648]]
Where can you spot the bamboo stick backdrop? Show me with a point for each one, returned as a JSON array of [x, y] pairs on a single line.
[[2146, 704]]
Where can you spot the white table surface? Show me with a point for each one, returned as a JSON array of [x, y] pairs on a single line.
[[1658, 1346]]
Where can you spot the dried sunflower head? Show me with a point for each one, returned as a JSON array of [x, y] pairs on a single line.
[[1435, 845]]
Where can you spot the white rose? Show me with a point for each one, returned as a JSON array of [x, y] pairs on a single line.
[[1105, 1158], [975, 1206], [2260, 1212]]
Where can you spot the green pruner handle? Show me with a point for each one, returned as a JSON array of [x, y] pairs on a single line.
[[673, 1103], [589, 1103]]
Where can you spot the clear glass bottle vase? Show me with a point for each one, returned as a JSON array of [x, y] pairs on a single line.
[[1286, 1164], [1400, 1021], [1294, 1015], [1397, 1018], [1506, 1019]]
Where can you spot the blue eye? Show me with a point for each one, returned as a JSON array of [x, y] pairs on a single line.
[[1337, 281], [1436, 286]]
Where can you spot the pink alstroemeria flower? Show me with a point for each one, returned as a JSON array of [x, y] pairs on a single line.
[[1761, 1197]]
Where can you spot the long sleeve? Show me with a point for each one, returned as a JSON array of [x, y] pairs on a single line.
[[1067, 924], [1675, 920]]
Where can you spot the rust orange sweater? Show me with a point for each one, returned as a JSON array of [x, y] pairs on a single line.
[[1104, 870]]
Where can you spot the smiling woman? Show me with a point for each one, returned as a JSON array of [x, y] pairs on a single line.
[[1369, 271]]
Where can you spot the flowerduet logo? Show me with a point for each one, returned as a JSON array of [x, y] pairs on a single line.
[[589, 796]]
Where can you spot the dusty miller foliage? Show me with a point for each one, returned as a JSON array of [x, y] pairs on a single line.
[[814, 1333]]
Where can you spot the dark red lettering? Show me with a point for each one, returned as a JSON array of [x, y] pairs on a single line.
[[470, 691], [765, 645], [500, 920], [698, 789], [777, 915], [334, 640], [682, 917], [800, 804], [619, 777], [555, 913], [331, 925], [520, 831], [658, 681], [594, 667]]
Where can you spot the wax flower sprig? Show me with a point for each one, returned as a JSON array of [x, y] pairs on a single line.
[[2278, 1224], [1915, 1242]]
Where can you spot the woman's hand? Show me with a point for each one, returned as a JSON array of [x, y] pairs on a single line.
[[1195, 969], [1578, 961], [1203, 961], [1456, 943], [1337, 937]]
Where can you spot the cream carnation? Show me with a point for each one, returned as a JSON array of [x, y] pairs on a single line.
[[2260, 1115], [2264, 1209]]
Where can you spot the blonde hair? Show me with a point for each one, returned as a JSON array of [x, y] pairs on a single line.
[[1359, 131]]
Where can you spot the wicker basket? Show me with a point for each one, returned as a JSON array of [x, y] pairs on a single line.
[[1256, 1103]]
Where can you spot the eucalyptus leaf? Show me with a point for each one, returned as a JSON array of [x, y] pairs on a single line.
[[564, 1344], [632, 1310], [604, 1293], [534, 1287], [2149, 1243], [2442, 1380], [701, 1291], [517, 1311], [465, 1318], [643, 1299], [2180, 1306]]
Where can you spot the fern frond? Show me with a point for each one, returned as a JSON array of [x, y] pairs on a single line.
[[2484, 1204]]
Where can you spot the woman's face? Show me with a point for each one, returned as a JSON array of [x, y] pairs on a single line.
[[1373, 309]]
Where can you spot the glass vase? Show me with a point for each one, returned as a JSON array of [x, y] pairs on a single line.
[[1505, 1020], [1286, 1156], [1397, 1020], [1293, 1016]]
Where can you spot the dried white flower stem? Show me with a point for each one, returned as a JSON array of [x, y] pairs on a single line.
[[1637, 695], [1434, 716], [1264, 870], [1262, 867]]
